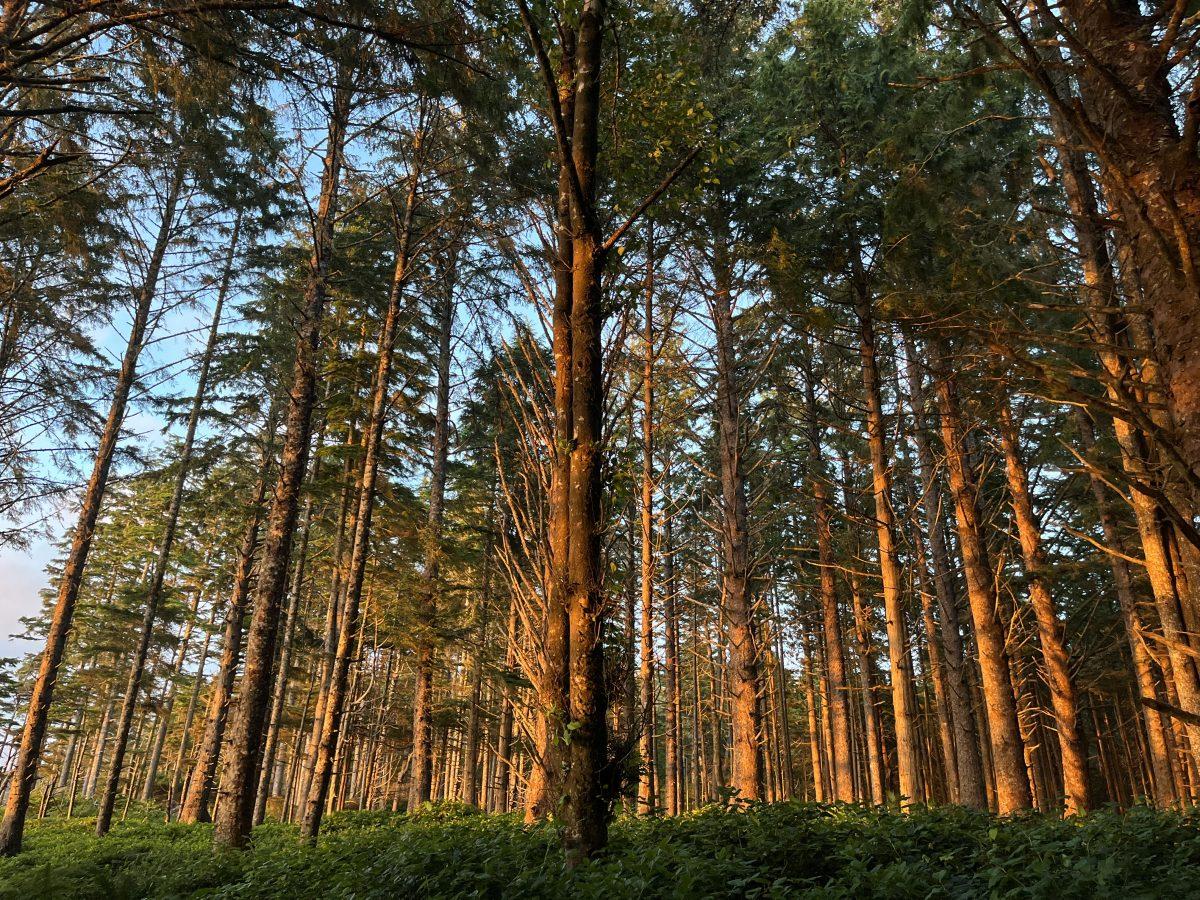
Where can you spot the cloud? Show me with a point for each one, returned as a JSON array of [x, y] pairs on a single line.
[[22, 576]]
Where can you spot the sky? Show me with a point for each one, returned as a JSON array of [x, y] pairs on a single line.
[[175, 338], [22, 576]]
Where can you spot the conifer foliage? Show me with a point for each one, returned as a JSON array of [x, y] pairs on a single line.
[[583, 408]]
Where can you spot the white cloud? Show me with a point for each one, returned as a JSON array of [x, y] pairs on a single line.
[[22, 576]]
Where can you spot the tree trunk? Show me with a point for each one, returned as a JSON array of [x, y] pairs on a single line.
[[1050, 630], [201, 783], [865, 651], [1159, 754], [504, 750], [167, 704], [971, 787], [72, 751], [154, 594], [672, 740], [318, 791], [588, 783], [735, 576], [350, 482], [189, 717], [903, 698], [574, 531], [279, 696], [470, 753], [921, 584], [471, 779], [835, 654], [1152, 170], [814, 729], [647, 792], [1012, 785], [937, 673], [33, 735], [92, 781], [545, 781], [240, 771], [1099, 295], [422, 765]]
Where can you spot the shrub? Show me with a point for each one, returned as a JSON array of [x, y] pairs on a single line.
[[767, 851]]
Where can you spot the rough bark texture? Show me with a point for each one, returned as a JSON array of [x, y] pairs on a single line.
[[279, 694], [1152, 170], [971, 788], [746, 777], [240, 771], [1007, 749], [545, 780], [331, 732], [903, 699], [1126, 385], [648, 788], [33, 735], [1063, 698], [586, 788]]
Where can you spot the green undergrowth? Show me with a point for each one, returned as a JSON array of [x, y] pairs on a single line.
[[781, 850]]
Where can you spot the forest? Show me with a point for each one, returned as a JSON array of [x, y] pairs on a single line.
[[617, 448]]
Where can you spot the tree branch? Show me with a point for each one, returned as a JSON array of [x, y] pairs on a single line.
[[662, 188]]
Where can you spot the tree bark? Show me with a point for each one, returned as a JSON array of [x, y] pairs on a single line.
[[1152, 169], [502, 778], [167, 704], [647, 792], [240, 771], [471, 779], [318, 791], [746, 778], [1012, 785], [835, 654], [279, 695], [154, 595], [33, 734], [672, 740], [189, 718], [202, 781], [549, 757], [1159, 754], [588, 783], [1050, 630], [1100, 295], [971, 787], [903, 698], [422, 764], [865, 651], [92, 779]]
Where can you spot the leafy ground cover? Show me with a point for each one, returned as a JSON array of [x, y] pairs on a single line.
[[783, 850]]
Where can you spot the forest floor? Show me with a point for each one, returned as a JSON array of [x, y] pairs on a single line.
[[782, 850]]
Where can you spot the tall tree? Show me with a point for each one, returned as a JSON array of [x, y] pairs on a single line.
[[239, 776], [32, 736]]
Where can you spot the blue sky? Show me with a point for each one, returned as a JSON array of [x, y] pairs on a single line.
[[165, 363]]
